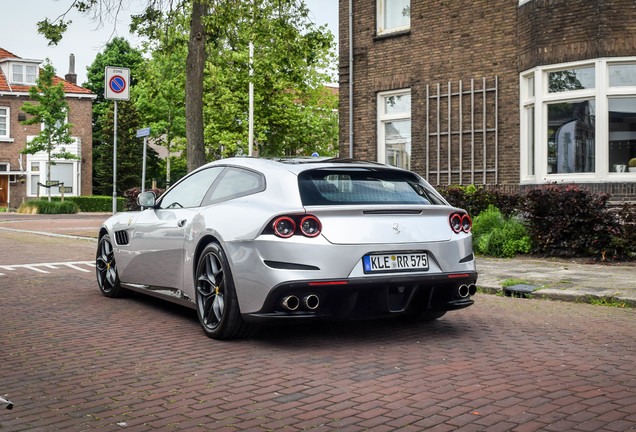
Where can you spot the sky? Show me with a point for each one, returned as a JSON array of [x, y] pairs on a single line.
[[85, 38]]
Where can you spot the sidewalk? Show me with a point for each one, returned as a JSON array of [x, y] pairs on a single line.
[[556, 279]]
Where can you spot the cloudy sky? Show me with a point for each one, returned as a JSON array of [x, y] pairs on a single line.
[[86, 38]]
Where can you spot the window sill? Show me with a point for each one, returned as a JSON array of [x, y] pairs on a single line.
[[9, 140], [392, 34]]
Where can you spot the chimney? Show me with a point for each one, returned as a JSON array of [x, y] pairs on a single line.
[[71, 76]]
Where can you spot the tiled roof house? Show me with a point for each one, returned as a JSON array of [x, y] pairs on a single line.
[[20, 174]]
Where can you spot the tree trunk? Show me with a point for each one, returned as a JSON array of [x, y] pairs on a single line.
[[195, 66]]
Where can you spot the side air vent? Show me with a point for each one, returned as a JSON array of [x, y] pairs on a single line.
[[392, 212], [121, 237]]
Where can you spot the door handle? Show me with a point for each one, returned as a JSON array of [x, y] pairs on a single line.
[[181, 223]]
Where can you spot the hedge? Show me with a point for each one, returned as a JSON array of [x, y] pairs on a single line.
[[94, 204]]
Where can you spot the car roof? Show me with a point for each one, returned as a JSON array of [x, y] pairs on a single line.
[[298, 164]]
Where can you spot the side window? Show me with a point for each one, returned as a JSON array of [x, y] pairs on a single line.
[[234, 183], [190, 191]]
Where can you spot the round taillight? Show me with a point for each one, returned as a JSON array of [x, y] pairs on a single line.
[[456, 222], [284, 227], [466, 223], [310, 226]]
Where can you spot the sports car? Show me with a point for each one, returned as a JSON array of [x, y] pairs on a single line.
[[246, 241]]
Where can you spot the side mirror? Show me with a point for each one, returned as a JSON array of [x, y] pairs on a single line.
[[146, 199]]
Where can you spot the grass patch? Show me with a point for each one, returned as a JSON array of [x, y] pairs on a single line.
[[606, 301], [511, 282]]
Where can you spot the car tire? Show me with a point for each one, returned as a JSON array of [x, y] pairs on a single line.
[[216, 301], [106, 269]]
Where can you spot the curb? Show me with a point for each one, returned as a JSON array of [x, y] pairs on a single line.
[[565, 296]]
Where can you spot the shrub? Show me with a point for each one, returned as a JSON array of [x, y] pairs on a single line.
[[570, 221], [477, 199], [48, 207], [500, 236], [95, 203], [625, 240]]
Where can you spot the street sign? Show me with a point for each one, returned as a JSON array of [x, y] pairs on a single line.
[[117, 83], [143, 132]]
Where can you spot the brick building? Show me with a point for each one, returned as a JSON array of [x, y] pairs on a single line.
[[20, 174], [498, 92]]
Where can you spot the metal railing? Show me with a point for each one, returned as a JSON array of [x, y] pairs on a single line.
[[460, 122]]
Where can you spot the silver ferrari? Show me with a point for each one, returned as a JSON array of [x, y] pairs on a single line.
[[246, 241]]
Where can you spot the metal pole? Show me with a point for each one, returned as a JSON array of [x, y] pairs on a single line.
[[251, 108], [115, 162], [350, 79], [143, 169]]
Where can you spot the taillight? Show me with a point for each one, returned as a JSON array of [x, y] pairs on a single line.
[[310, 226], [460, 222], [287, 226], [466, 223], [284, 227]]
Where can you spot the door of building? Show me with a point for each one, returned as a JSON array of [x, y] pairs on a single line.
[[4, 190]]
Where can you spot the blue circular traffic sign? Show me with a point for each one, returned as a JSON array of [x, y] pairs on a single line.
[[117, 83]]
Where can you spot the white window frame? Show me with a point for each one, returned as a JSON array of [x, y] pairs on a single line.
[[42, 159], [7, 136], [540, 101], [380, 8], [23, 74], [384, 118]]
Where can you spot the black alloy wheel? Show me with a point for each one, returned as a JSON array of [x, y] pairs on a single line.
[[106, 269], [217, 304]]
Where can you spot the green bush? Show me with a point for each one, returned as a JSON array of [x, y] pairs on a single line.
[[48, 207], [499, 236], [95, 204]]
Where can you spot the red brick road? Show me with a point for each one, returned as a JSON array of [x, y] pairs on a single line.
[[71, 359]]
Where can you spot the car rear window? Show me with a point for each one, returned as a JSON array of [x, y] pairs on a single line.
[[363, 186]]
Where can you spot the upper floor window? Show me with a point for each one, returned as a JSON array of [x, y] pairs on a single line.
[[393, 15], [24, 73], [4, 122]]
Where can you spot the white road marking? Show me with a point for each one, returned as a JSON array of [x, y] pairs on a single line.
[[75, 265]]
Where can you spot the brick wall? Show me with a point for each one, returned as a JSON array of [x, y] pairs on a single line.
[[559, 31], [452, 40]]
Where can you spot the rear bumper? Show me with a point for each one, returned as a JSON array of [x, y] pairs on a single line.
[[368, 297]]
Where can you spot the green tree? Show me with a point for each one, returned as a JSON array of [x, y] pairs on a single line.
[[290, 54], [54, 29], [118, 52], [50, 110], [159, 95], [129, 152]]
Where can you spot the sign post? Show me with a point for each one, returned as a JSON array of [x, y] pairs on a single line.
[[143, 133], [117, 88]]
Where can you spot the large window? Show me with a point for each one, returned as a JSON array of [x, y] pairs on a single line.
[[4, 122], [394, 128], [578, 122], [393, 15], [67, 171]]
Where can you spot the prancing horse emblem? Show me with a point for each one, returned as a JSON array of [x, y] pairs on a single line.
[[396, 228]]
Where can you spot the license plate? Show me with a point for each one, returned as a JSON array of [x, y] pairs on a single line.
[[395, 262]]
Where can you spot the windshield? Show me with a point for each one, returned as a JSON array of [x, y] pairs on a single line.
[[363, 186]]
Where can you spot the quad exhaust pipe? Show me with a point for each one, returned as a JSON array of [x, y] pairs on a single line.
[[309, 302], [291, 303], [466, 290]]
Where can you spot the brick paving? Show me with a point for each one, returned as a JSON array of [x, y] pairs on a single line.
[[74, 360]]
